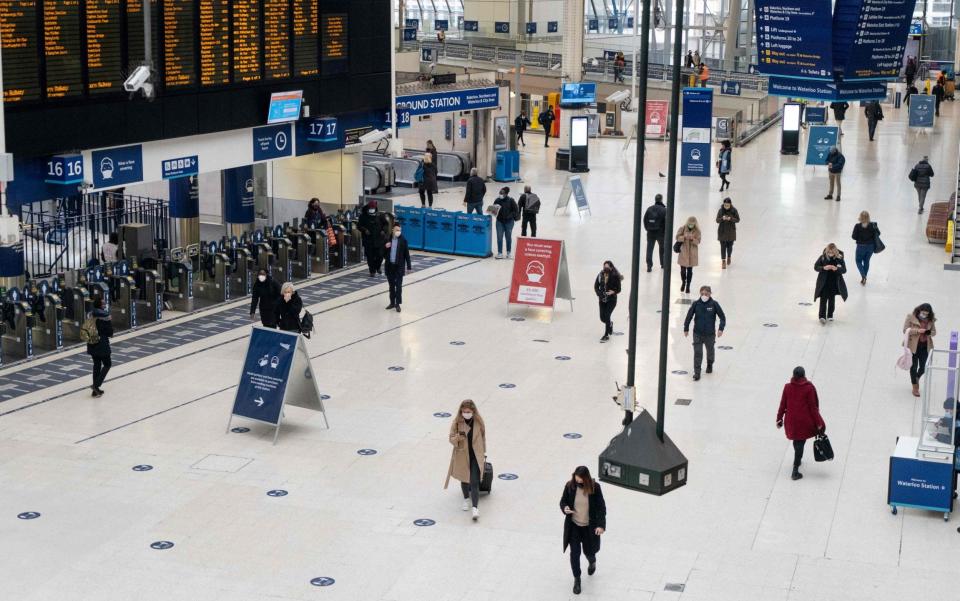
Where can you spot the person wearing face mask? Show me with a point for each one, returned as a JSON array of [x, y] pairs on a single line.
[[372, 229], [468, 435], [704, 312], [830, 267], [289, 308], [428, 185], [398, 256], [266, 293], [607, 287], [688, 248], [727, 217], [865, 232], [723, 164], [920, 327], [508, 212], [585, 521], [314, 215], [799, 415]]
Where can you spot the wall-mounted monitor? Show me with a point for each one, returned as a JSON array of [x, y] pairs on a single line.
[[285, 106], [578, 93]]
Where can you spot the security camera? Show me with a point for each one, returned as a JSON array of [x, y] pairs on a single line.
[[618, 96], [374, 136], [139, 81]]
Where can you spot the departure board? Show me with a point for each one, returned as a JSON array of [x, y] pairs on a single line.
[[18, 34], [104, 50], [276, 38], [179, 68], [306, 43], [61, 48], [247, 58], [334, 35], [214, 42]]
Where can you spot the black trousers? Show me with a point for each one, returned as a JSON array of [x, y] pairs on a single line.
[[654, 238], [798, 451], [395, 280], [374, 258], [546, 134], [530, 218], [919, 364], [827, 303], [520, 139], [472, 490], [268, 319], [871, 127], [686, 275], [580, 539], [726, 249], [101, 365], [606, 313], [426, 195]]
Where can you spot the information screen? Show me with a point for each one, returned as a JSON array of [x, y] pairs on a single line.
[[214, 42], [179, 58], [247, 57], [306, 43], [104, 46], [18, 39], [276, 39], [334, 37], [61, 48]]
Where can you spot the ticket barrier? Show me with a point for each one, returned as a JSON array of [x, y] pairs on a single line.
[[241, 266], [177, 277], [76, 304], [336, 253], [149, 302], [260, 251], [17, 341], [48, 315], [300, 263], [94, 280], [319, 250], [353, 243], [211, 282], [282, 268], [123, 291]]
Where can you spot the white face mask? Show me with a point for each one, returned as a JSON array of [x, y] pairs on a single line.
[[396, 233], [262, 278], [704, 297], [371, 211], [467, 415], [924, 315]]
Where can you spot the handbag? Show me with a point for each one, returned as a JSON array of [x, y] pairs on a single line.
[[878, 245], [905, 361], [677, 246], [822, 449]]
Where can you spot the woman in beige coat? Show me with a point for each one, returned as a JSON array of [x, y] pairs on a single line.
[[688, 245], [920, 327], [468, 435]]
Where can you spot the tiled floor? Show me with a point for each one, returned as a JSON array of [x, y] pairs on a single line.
[[740, 531]]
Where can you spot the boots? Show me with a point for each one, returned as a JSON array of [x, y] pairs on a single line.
[[796, 475], [576, 586], [723, 262], [916, 390]]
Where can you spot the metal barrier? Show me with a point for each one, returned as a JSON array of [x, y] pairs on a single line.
[[67, 233]]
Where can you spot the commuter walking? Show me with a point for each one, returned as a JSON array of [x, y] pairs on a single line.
[[727, 219], [830, 267], [586, 520], [835, 162], [289, 309], [920, 176], [428, 186], [911, 90], [619, 64], [96, 332], [432, 149], [373, 226], [468, 435], [839, 113], [938, 93], [529, 204], [654, 222], [398, 257], [546, 121], [507, 213], [874, 114], [865, 233], [687, 245], [475, 191], [704, 313], [910, 72], [919, 328], [520, 125], [723, 164], [265, 292], [607, 287], [799, 415]]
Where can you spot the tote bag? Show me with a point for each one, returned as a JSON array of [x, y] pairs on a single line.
[[906, 357]]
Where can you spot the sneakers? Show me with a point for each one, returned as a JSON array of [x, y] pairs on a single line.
[[476, 514], [605, 338], [466, 505], [509, 256], [823, 321], [499, 256], [829, 319]]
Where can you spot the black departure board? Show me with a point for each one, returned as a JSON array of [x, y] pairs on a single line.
[[179, 68], [247, 56], [18, 35], [104, 48], [306, 43], [214, 42], [62, 49], [276, 39], [334, 37]]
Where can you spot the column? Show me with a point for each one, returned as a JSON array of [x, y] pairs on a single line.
[[571, 66], [731, 30], [238, 200], [184, 212]]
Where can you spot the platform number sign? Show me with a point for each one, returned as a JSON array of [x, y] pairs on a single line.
[[403, 118], [64, 169], [322, 130]]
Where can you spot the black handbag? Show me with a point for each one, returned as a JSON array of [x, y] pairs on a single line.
[[677, 246], [822, 449], [878, 245]]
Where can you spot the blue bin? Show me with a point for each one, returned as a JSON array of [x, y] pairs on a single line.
[[514, 165], [473, 235], [508, 166], [439, 230], [411, 220]]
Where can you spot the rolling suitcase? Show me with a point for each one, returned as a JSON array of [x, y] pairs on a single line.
[[486, 481]]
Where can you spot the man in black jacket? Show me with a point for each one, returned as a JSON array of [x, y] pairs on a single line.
[[99, 350], [529, 204], [520, 125], [874, 114], [839, 113], [654, 221], [473, 196], [265, 292], [835, 162], [704, 312], [546, 121], [397, 256], [920, 176]]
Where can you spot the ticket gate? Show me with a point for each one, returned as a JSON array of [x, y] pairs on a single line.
[[211, 276], [177, 277], [353, 243], [95, 282], [124, 293], [17, 341], [336, 253], [282, 268], [301, 265], [241, 267], [260, 251], [76, 304], [149, 300], [48, 316], [319, 250]]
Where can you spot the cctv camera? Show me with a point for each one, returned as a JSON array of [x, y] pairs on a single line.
[[139, 81], [374, 136], [618, 96]]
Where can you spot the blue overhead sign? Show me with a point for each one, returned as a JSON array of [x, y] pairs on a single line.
[[452, 100], [815, 114], [501, 27], [553, 26], [471, 25], [177, 168], [531, 28], [593, 24], [794, 38], [117, 166], [64, 169], [697, 131], [730, 88], [441, 24], [820, 140], [922, 109], [272, 142], [415, 23], [878, 40], [409, 34], [825, 90], [613, 23], [403, 118], [323, 129]]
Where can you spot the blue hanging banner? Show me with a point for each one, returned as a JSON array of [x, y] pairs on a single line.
[[697, 131], [922, 109], [730, 88], [448, 101], [820, 139], [593, 24], [184, 198], [414, 23], [794, 38], [272, 142], [613, 23], [117, 166], [824, 90], [403, 118], [877, 40], [441, 24], [183, 167], [409, 34], [531, 28], [238, 198], [553, 26]]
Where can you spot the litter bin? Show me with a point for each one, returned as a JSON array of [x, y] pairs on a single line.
[[473, 235], [411, 220], [563, 159], [505, 170]]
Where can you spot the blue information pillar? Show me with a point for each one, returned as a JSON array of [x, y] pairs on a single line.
[[185, 211], [238, 213], [697, 131]]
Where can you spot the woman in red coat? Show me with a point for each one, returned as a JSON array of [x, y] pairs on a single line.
[[800, 412]]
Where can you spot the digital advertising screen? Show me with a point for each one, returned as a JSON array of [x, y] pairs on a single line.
[[578, 93]]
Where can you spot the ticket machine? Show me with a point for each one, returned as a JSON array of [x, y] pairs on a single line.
[[123, 291], [17, 342], [48, 315], [211, 270]]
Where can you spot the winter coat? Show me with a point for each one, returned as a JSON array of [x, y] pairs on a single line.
[[920, 175], [475, 190], [912, 322], [373, 228], [873, 111], [521, 123], [529, 203], [460, 456], [288, 313], [312, 217], [865, 234], [727, 230], [612, 285], [509, 211], [267, 295], [823, 275], [597, 516], [704, 317], [546, 119], [654, 219], [723, 161], [105, 330], [403, 253], [800, 410], [433, 155], [835, 162], [839, 110], [690, 249], [430, 177]]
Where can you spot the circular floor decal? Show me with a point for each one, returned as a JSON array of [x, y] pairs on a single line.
[[508, 385], [618, 333], [441, 414], [367, 452], [771, 325], [457, 343], [725, 348], [142, 468], [518, 319], [562, 358], [679, 372], [240, 430], [395, 368], [322, 581], [324, 397], [573, 435], [508, 476], [28, 515], [277, 493], [805, 304], [540, 340], [423, 522], [161, 545]]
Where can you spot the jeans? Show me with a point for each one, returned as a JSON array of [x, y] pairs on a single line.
[[395, 280], [504, 230], [699, 340], [726, 249], [834, 178], [606, 313], [654, 238], [922, 196], [827, 304], [475, 206], [472, 490], [530, 218], [919, 365], [872, 127], [864, 252], [101, 365], [798, 452], [579, 536]]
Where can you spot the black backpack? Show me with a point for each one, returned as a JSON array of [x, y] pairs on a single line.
[[306, 323]]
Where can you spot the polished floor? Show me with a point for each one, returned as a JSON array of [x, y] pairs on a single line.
[[379, 526]]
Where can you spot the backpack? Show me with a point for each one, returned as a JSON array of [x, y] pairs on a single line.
[[88, 331], [306, 324], [533, 203]]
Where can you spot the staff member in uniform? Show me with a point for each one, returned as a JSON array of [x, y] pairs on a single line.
[[398, 255], [586, 520]]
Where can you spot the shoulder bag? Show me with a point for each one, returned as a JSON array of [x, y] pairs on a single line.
[[878, 245]]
